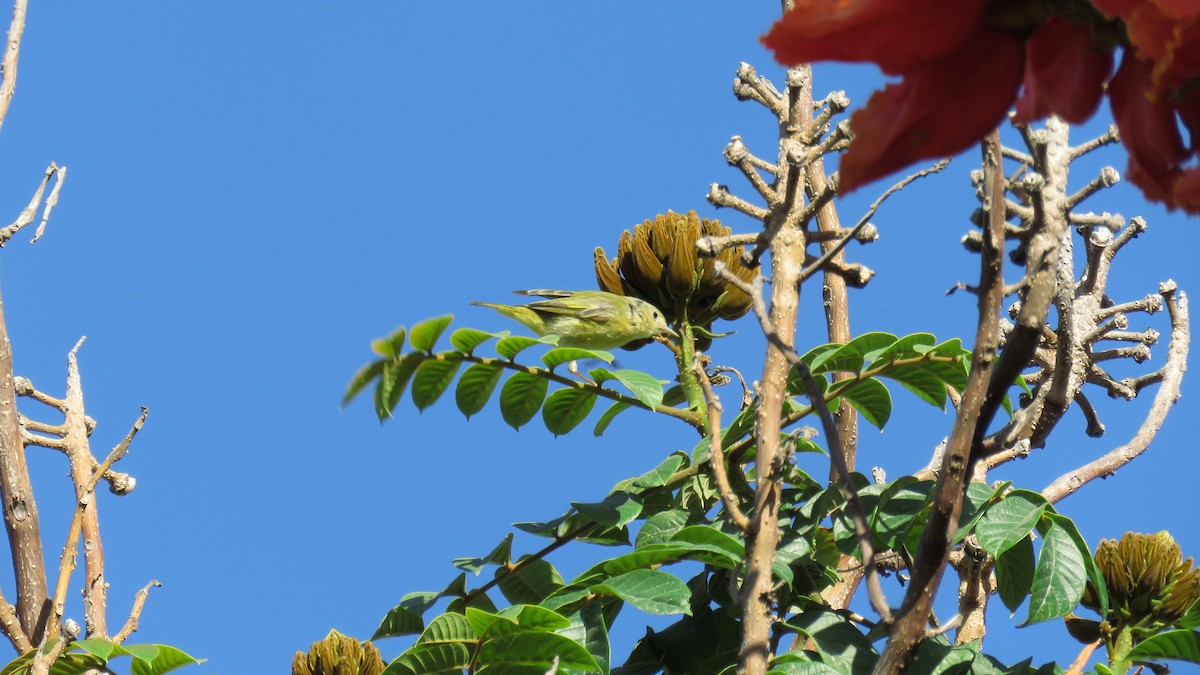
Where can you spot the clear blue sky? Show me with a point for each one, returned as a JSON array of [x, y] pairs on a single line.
[[257, 190]]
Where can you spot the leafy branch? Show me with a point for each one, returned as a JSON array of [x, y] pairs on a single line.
[[523, 394]]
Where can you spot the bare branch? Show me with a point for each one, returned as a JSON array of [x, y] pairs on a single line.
[[139, 601], [28, 214], [12, 52], [720, 197], [20, 508], [71, 548], [717, 463], [1168, 393], [933, 551]]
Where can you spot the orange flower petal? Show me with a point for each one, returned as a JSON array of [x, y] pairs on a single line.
[[937, 110], [1164, 32], [895, 34], [1149, 132], [1064, 73]]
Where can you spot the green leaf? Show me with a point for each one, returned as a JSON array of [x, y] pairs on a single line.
[[531, 583], [566, 408], [617, 510], [1014, 573], [790, 664], [532, 617], [490, 624], [520, 398], [362, 378], [432, 658], [424, 335], [644, 386], [651, 591], [448, 627], [561, 355], [465, 340], [796, 386], [1173, 645], [820, 352], [400, 620], [710, 538], [608, 416], [475, 387], [979, 497], [920, 379], [595, 634], [659, 475], [952, 348], [899, 503], [430, 381], [844, 648], [850, 357], [1058, 579], [145, 653], [1085, 553], [391, 346], [660, 527], [1009, 521], [646, 557], [480, 601], [165, 658], [906, 346], [501, 555], [537, 650], [509, 347], [871, 398], [99, 647], [393, 381]]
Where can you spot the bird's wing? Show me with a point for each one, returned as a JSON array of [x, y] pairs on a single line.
[[569, 307], [545, 293]]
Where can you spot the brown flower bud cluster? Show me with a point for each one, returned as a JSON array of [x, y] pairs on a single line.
[[338, 654], [1150, 586], [659, 263]]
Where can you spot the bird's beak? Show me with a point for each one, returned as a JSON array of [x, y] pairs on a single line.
[[670, 331]]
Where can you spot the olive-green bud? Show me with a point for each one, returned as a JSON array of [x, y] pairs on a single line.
[[338, 654]]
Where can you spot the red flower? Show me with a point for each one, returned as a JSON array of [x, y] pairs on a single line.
[[1064, 72], [925, 116], [895, 35], [1166, 33], [1149, 131], [959, 76], [962, 62]]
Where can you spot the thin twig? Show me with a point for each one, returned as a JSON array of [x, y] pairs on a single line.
[[27, 214], [70, 550], [135, 613], [716, 463], [51, 202], [865, 220]]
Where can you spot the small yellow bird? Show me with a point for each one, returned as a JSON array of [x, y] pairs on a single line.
[[587, 319]]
